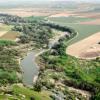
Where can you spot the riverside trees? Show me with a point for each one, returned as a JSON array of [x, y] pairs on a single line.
[[35, 33], [77, 73]]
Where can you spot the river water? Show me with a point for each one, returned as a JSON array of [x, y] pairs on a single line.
[[29, 68]]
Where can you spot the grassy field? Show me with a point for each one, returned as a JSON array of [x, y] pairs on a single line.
[[35, 18], [70, 19], [23, 93], [83, 30]]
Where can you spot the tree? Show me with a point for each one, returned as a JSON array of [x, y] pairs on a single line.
[[37, 87]]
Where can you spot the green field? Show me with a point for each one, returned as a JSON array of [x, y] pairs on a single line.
[[83, 30], [70, 19], [35, 18]]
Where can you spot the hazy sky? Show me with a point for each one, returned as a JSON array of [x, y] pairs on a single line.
[[45, 0], [37, 1]]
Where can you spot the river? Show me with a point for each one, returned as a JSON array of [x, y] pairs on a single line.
[[29, 67]]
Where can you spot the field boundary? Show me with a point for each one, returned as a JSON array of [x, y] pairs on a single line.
[[87, 48]]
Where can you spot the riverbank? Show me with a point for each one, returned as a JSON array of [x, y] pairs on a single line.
[[72, 71], [29, 63], [43, 51]]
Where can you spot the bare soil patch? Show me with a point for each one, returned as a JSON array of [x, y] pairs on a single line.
[[2, 33], [63, 14], [1, 24], [88, 48], [10, 36], [89, 15], [26, 12]]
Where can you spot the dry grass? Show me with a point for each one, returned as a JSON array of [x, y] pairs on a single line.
[[26, 12], [10, 36]]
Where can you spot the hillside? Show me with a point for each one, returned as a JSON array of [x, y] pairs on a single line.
[[49, 50]]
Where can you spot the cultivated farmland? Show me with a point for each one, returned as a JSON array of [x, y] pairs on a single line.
[[70, 19], [87, 48], [83, 30], [85, 27], [6, 33], [11, 35]]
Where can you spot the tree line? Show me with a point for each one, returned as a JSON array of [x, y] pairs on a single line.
[[11, 19]]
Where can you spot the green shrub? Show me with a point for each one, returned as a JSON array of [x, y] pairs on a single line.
[[7, 43]]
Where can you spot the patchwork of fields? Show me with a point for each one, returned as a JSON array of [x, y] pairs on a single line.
[[6, 33], [85, 26], [59, 65], [85, 21], [83, 30]]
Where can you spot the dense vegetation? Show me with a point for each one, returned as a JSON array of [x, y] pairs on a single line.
[[73, 72], [36, 33], [39, 33], [7, 43], [9, 19], [56, 67], [8, 65]]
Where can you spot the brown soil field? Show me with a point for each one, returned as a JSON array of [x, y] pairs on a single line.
[[88, 48], [63, 14], [10, 36], [25, 12], [89, 15], [94, 22]]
